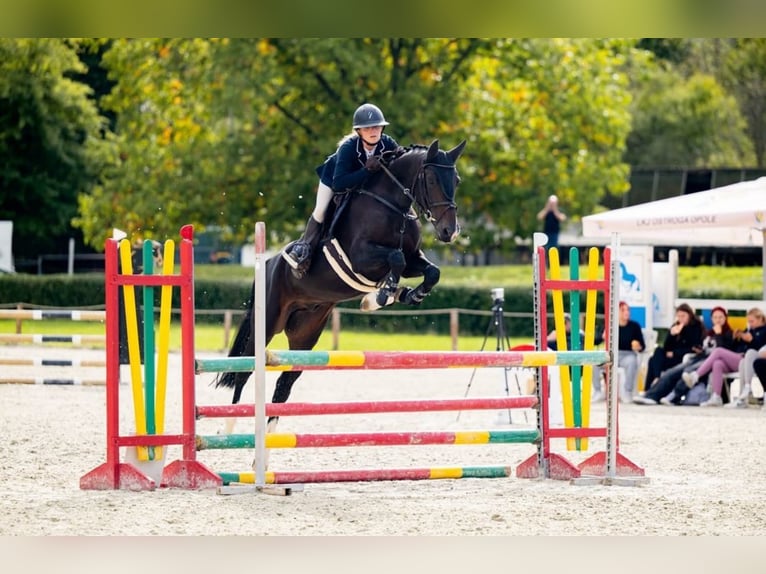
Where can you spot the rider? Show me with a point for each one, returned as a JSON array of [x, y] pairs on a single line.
[[357, 156]]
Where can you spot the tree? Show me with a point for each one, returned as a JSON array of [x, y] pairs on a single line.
[[745, 75], [686, 122], [50, 142], [545, 117], [228, 132]]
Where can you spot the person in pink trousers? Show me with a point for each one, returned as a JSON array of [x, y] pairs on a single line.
[[722, 360]]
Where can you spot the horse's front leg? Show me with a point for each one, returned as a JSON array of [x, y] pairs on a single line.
[[389, 291], [431, 274], [397, 264]]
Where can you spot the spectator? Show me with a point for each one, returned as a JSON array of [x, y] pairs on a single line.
[[683, 336], [722, 360], [630, 343], [551, 218], [671, 388], [759, 367], [746, 373]]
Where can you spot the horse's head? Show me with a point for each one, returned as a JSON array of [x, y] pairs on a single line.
[[433, 189]]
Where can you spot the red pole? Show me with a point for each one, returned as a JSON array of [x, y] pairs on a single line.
[[112, 361], [187, 341]]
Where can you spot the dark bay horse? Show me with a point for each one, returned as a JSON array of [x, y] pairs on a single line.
[[375, 240]]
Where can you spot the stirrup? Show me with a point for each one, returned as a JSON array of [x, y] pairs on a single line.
[[297, 254]]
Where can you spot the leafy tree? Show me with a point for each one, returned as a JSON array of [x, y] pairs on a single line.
[[227, 132], [685, 122], [50, 141], [745, 74], [739, 65], [544, 117]]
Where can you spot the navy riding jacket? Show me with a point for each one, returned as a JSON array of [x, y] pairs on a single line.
[[344, 170]]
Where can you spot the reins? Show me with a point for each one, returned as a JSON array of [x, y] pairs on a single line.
[[407, 191], [425, 206]]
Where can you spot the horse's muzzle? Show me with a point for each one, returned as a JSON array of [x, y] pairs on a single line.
[[448, 234]]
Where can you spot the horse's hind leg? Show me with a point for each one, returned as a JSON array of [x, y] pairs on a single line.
[[303, 329]]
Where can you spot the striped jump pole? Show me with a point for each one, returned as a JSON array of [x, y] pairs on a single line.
[[368, 407], [45, 314], [37, 339], [39, 362], [319, 360], [76, 381], [368, 475], [403, 438]]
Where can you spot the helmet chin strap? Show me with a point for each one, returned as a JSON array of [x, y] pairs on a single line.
[[370, 144]]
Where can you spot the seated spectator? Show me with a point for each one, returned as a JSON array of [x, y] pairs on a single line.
[[683, 336], [552, 342], [671, 389], [746, 374], [630, 343], [759, 367], [722, 360]]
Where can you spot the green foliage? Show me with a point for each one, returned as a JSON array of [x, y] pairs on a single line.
[[544, 117], [228, 132], [700, 124], [156, 133], [51, 147], [745, 74]]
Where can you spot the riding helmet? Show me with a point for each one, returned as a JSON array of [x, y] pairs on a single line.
[[367, 116]]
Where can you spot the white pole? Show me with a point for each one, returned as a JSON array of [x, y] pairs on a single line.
[[763, 262], [613, 393], [259, 330]]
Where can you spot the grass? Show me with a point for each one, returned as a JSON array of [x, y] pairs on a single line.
[[209, 338]]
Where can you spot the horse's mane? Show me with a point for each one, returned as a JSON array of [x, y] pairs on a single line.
[[391, 155]]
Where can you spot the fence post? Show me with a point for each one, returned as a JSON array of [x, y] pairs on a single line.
[[335, 328], [226, 328], [18, 321], [454, 318]]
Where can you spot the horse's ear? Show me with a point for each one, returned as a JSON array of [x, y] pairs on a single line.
[[455, 152], [433, 149]]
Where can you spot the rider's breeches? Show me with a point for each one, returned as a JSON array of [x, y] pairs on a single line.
[[324, 195]]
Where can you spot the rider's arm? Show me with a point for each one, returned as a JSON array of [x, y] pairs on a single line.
[[349, 171]]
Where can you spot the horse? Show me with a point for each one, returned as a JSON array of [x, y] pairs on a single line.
[[372, 242]]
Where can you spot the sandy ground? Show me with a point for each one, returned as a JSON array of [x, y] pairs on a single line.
[[705, 467]]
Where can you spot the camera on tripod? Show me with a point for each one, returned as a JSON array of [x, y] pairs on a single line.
[[498, 298]]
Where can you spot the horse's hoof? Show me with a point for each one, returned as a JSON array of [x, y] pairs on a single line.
[[369, 303], [384, 297], [413, 298]]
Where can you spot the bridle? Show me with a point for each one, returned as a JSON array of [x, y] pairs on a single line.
[[426, 205]]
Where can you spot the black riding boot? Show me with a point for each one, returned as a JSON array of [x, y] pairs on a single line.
[[299, 255]]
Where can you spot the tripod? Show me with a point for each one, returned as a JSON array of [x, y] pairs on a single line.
[[502, 342]]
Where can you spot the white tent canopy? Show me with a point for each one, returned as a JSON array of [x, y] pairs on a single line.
[[733, 215]]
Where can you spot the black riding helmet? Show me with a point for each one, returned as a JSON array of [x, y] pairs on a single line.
[[367, 116]]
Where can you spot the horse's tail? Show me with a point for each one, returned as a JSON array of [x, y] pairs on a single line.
[[238, 348]]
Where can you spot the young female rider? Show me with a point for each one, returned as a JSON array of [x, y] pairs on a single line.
[[357, 157]]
